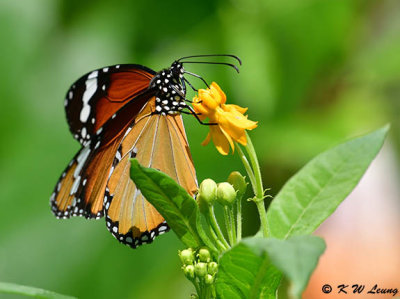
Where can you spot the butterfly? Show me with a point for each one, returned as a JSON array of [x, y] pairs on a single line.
[[117, 113]]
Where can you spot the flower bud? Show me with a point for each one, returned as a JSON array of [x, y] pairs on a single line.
[[189, 271], [187, 256], [207, 194], [212, 268], [238, 182], [226, 195], [200, 269], [209, 279], [204, 255]]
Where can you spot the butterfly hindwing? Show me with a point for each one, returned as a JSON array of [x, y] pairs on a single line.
[[80, 189]]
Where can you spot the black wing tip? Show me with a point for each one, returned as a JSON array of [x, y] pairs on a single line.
[[146, 237], [73, 210]]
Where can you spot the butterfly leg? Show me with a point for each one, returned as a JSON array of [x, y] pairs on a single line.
[[197, 76], [196, 115], [187, 81]]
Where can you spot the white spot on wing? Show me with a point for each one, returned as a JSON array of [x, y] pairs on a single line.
[[93, 75], [127, 131], [91, 87], [83, 132], [81, 160], [75, 186]]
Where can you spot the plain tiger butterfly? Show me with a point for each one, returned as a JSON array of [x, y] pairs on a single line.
[[118, 112]]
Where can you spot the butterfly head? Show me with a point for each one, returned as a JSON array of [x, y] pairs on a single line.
[[177, 70]]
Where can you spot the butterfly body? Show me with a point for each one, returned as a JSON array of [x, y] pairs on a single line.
[[170, 90]]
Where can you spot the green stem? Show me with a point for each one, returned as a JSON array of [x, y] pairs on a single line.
[[214, 224], [206, 240], [196, 285], [233, 225], [220, 245], [247, 166], [259, 190], [263, 218], [239, 218], [256, 182], [228, 225]]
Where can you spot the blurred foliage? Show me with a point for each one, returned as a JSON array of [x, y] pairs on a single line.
[[314, 73]]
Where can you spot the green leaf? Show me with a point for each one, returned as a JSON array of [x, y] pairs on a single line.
[[12, 288], [252, 268], [246, 273], [179, 209], [296, 257], [314, 193]]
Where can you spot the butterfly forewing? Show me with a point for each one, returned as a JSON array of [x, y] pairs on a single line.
[[95, 98]]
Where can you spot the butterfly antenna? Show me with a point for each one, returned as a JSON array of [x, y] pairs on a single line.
[[208, 62], [212, 55]]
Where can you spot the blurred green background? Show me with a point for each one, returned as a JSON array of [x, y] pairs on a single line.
[[314, 74]]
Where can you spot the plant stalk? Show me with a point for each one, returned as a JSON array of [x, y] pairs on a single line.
[[256, 181], [214, 224], [239, 219]]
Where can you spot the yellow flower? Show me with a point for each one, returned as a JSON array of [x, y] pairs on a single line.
[[231, 123]]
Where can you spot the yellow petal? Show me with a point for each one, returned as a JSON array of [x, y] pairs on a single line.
[[201, 112], [218, 94], [235, 124], [207, 99], [231, 107], [228, 137], [219, 139], [240, 120], [207, 140]]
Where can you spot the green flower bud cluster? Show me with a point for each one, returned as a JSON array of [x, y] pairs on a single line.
[[224, 193], [198, 264], [228, 195]]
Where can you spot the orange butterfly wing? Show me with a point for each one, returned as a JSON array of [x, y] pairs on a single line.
[[113, 114], [95, 97], [80, 189], [157, 141]]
